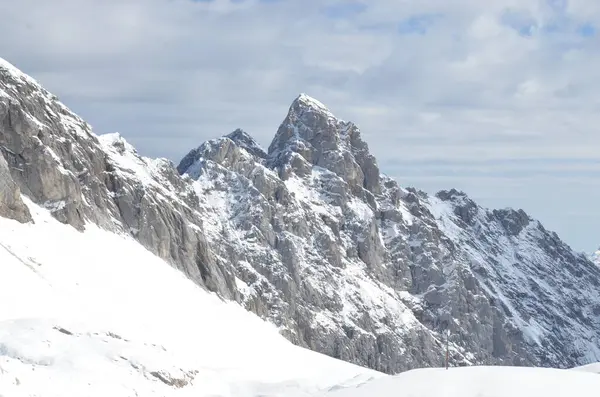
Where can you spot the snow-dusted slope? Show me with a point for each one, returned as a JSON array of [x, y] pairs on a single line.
[[480, 382], [77, 320], [550, 293]]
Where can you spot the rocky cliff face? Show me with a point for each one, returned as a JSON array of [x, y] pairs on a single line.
[[310, 235], [50, 155], [11, 204]]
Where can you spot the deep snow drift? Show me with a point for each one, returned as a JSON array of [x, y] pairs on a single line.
[[95, 314]]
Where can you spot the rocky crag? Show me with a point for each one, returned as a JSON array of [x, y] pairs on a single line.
[[310, 235]]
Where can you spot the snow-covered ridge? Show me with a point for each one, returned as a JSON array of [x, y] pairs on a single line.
[[512, 254], [54, 109], [7, 67], [152, 173]]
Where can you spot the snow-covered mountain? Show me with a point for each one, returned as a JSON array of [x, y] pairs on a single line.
[[312, 237], [349, 263]]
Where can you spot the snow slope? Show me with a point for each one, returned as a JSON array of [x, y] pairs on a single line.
[[95, 314], [480, 382]]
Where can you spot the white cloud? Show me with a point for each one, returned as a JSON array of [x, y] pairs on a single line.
[[452, 81]]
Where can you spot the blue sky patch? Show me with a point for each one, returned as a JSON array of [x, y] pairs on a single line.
[[520, 21], [557, 5], [587, 30], [344, 10], [417, 24]]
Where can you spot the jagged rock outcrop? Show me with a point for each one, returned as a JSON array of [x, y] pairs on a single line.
[[310, 235], [11, 203], [312, 132]]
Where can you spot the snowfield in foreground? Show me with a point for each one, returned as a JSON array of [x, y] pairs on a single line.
[[481, 382], [95, 314]]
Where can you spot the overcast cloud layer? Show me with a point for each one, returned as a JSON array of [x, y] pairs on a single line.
[[498, 98]]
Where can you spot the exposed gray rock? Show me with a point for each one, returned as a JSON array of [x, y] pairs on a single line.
[[11, 203], [311, 131]]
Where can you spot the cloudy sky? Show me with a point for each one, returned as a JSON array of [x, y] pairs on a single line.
[[498, 98]]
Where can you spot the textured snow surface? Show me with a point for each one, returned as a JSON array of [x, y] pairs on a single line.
[[95, 314], [480, 382], [596, 257]]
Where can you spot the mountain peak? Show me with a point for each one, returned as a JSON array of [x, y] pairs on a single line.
[[246, 142], [306, 102], [311, 135], [239, 134], [307, 121]]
